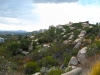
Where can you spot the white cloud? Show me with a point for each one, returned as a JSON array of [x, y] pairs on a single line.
[[55, 14], [63, 13]]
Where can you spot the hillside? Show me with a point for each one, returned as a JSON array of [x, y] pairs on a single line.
[[68, 49]]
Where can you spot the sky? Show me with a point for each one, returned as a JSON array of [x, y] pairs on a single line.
[[31, 15]]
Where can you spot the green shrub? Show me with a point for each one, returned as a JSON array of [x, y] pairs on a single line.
[[67, 58], [74, 52], [31, 68], [13, 48], [48, 61], [55, 72], [93, 49]]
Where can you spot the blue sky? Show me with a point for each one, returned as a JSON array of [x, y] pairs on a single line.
[[33, 15], [89, 2]]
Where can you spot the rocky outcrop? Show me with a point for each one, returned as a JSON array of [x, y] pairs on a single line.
[[77, 71], [82, 33], [82, 55], [38, 73], [77, 45], [25, 53], [71, 37], [72, 68], [65, 42], [73, 61]]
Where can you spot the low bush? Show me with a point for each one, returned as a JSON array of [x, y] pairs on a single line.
[[31, 68], [55, 72]]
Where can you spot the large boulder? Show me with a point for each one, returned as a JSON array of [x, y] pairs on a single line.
[[81, 56], [38, 73], [72, 28], [71, 37], [73, 61], [83, 32], [77, 45], [25, 53], [77, 71], [81, 35], [80, 39], [65, 42], [77, 40]]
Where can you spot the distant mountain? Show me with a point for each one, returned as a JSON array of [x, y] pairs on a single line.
[[39, 31], [12, 32]]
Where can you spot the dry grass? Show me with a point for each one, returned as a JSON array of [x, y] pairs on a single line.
[[95, 69], [87, 66]]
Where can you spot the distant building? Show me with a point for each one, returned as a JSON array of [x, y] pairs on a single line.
[[1, 39]]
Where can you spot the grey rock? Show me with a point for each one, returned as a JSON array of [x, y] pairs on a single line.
[[25, 53], [71, 37], [38, 73], [77, 71], [83, 32], [73, 61], [77, 45], [82, 55], [65, 42]]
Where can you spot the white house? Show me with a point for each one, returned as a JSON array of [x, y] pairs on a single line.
[[1, 39]]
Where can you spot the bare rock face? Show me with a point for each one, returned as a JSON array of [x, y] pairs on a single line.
[[38, 73], [77, 45], [77, 71], [82, 33], [73, 61], [65, 42], [82, 55], [71, 37], [25, 53]]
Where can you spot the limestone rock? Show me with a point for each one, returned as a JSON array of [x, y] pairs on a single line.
[[77, 45], [83, 32], [73, 61], [25, 53], [38, 73], [77, 71], [82, 55], [71, 37], [65, 42]]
